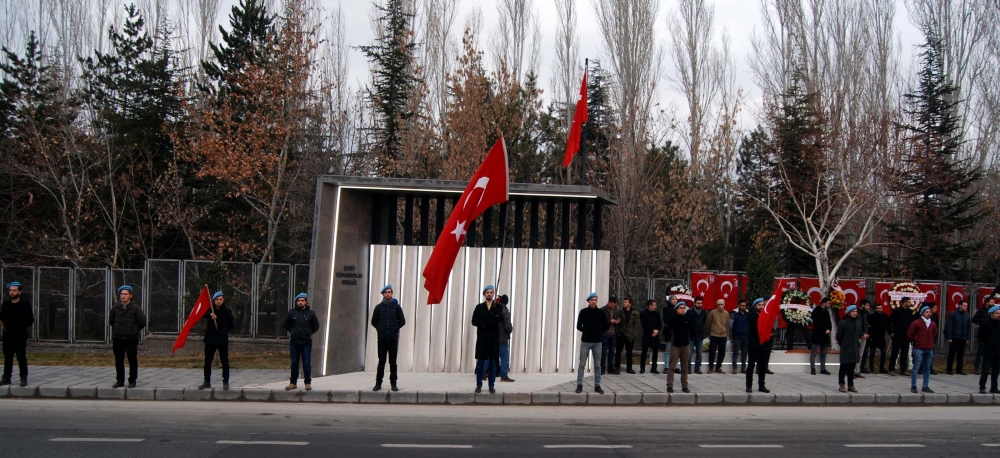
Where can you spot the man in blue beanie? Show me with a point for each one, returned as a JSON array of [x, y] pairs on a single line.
[[219, 321], [301, 323], [387, 319], [16, 318]]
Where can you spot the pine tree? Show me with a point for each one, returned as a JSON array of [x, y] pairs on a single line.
[[601, 125], [391, 58], [938, 180], [249, 41], [755, 171], [760, 273]]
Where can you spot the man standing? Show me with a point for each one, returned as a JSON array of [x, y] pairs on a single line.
[[682, 332], [822, 329], [958, 330], [16, 318], [717, 328], [923, 334], [651, 325], [505, 329], [698, 316], [877, 323], [989, 335], [219, 321], [629, 330], [900, 321], [592, 322], [487, 318], [387, 319], [739, 326], [301, 323], [980, 319], [609, 338], [864, 310], [760, 353], [850, 333], [126, 320]]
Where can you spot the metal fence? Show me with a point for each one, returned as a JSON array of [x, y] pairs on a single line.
[[72, 305]]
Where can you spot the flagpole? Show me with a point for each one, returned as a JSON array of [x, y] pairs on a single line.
[[503, 246]]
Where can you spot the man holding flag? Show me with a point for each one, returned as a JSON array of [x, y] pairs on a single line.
[[126, 320], [219, 321], [761, 320]]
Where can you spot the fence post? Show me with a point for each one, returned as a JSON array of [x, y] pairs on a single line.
[[254, 296]]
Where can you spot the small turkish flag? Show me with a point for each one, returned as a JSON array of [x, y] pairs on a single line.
[[488, 186], [765, 323], [197, 313], [580, 116]]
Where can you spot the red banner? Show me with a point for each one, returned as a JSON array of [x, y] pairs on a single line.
[[726, 287], [854, 292], [933, 291], [882, 289], [703, 284], [811, 287], [744, 283], [786, 284], [983, 293], [956, 293]]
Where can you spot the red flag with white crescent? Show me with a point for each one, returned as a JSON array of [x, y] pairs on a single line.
[[580, 116], [487, 187], [772, 308], [197, 313]]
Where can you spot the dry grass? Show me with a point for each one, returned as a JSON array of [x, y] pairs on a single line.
[[197, 361]]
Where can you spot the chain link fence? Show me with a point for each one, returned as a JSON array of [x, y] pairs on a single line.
[[163, 282], [90, 307], [55, 286], [274, 286]]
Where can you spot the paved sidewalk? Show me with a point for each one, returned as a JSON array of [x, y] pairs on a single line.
[[148, 377]]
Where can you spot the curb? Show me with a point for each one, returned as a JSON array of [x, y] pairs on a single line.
[[511, 398]]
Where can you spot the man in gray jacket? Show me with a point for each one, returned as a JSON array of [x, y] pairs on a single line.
[[126, 320]]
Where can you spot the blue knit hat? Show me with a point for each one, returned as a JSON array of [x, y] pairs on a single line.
[[217, 295], [680, 303], [488, 288], [757, 301], [124, 288], [924, 308], [384, 288], [851, 309], [13, 284], [591, 296], [994, 308], [301, 296]]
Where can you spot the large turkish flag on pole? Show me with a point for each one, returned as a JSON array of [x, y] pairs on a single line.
[[488, 186], [772, 308], [580, 116], [197, 313]]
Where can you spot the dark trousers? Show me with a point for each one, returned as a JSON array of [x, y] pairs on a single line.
[[301, 352], [642, 359], [716, 352], [608, 345], [956, 349], [870, 351], [11, 348], [900, 350], [121, 348], [848, 371], [979, 356], [487, 367], [627, 345], [991, 367], [386, 348], [223, 350], [758, 357]]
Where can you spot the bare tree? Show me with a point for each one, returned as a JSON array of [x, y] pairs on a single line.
[[197, 21], [515, 40], [439, 50], [692, 30], [566, 77]]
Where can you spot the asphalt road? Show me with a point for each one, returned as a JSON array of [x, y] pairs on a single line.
[[67, 428]]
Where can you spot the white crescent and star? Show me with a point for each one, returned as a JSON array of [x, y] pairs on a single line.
[[481, 183], [459, 230]]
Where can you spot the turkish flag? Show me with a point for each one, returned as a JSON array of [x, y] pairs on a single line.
[[983, 293], [771, 312], [489, 186], [784, 284], [882, 289], [811, 287], [854, 292], [197, 313], [703, 284], [580, 116], [956, 293], [726, 289], [933, 291]]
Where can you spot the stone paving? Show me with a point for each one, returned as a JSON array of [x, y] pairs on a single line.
[[148, 377]]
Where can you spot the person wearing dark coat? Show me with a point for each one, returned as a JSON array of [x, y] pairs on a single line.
[[218, 322], [487, 317], [877, 323], [900, 320], [127, 321], [652, 324], [864, 310], [822, 330], [982, 314], [759, 352], [629, 330], [850, 332], [592, 322], [387, 319], [989, 333], [301, 323], [698, 316], [16, 318], [739, 327], [683, 331], [958, 331]]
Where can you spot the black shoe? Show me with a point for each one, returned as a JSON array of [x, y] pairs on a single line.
[[913, 389], [118, 385], [641, 371], [933, 372], [598, 390], [768, 372], [654, 371], [24, 381], [825, 372], [812, 371], [394, 387], [5, 381], [763, 390], [493, 390], [982, 390], [685, 389], [506, 379], [859, 376], [479, 389], [378, 387], [950, 373], [961, 373], [131, 384], [579, 388], [204, 386], [225, 385], [670, 389], [994, 391], [927, 390], [629, 371], [749, 390]]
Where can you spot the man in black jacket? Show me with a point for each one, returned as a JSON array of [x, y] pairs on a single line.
[[16, 318], [989, 334], [487, 317], [592, 322], [900, 321], [979, 319], [822, 331], [877, 323], [127, 320], [958, 330], [387, 319], [301, 323], [219, 321], [683, 330], [759, 353], [698, 316], [652, 324], [864, 311]]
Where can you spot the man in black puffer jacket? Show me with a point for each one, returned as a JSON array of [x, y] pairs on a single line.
[[126, 320], [301, 323], [387, 319], [683, 332], [219, 321]]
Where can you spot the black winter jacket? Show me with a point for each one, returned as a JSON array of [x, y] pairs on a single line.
[[650, 320], [682, 330], [698, 319], [900, 320], [877, 323], [126, 322], [219, 335], [592, 322], [990, 338], [387, 319], [821, 324], [487, 322], [17, 320], [301, 324]]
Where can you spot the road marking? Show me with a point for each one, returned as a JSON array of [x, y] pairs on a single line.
[[742, 446], [425, 446], [884, 445], [991, 445], [588, 446], [94, 439], [261, 443]]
